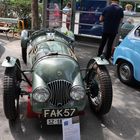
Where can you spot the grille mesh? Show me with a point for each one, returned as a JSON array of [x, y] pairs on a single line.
[[60, 92]]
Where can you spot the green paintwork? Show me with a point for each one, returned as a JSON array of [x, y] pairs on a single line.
[[79, 105], [55, 68], [51, 58]]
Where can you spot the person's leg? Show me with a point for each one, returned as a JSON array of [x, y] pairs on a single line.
[[109, 45], [102, 45], [68, 24]]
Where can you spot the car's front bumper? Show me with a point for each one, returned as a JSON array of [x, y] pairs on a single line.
[[39, 107]]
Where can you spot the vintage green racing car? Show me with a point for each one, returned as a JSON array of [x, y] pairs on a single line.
[[56, 87]]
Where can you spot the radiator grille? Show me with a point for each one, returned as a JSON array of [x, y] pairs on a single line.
[[60, 92]]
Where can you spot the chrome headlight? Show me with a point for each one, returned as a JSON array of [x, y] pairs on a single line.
[[77, 93], [41, 94]]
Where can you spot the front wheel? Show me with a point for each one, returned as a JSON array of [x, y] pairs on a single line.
[[100, 88], [12, 79]]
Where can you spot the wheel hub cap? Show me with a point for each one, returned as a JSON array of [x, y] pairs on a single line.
[[125, 72]]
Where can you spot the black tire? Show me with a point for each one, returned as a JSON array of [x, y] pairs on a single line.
[[125, 73], [24, 55], [12, 79], [100, 85]]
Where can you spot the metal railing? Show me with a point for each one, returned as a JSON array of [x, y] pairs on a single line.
[[51, 19]]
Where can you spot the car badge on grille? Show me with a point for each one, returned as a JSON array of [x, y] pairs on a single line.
[[59, 104], [59, 73]]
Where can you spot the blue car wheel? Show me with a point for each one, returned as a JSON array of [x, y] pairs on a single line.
[[125, 72]]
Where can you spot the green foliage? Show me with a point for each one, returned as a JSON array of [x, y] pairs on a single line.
[[40, 7], [21, 2], [65, 2], [21, 7]]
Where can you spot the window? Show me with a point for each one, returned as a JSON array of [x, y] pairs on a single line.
[[137, 32]]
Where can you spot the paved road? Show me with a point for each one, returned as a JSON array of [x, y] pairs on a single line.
[[121, 123]]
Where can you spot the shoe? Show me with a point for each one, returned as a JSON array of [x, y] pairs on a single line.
[[102, 56]]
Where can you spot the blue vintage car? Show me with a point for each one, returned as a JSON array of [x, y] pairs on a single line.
[[127, 56]]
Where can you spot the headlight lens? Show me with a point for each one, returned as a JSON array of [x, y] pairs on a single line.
[[41, 94], [77, 93]]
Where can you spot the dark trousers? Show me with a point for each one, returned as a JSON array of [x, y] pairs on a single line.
[[107, 39]]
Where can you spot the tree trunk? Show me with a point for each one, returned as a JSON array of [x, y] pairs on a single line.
[[35, 21]]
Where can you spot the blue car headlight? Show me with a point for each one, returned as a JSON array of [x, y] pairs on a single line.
[[41, 94], [77, 93]]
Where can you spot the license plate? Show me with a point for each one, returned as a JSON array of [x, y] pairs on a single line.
[[59, 113], [54, 121]]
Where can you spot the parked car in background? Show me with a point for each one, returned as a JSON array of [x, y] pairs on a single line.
[[126, 27], [127, 56], [129, 22]]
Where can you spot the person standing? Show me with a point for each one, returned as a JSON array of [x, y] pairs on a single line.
[[111, 18], [57, 15], [128, 12], [67, 11], [128, 9]]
